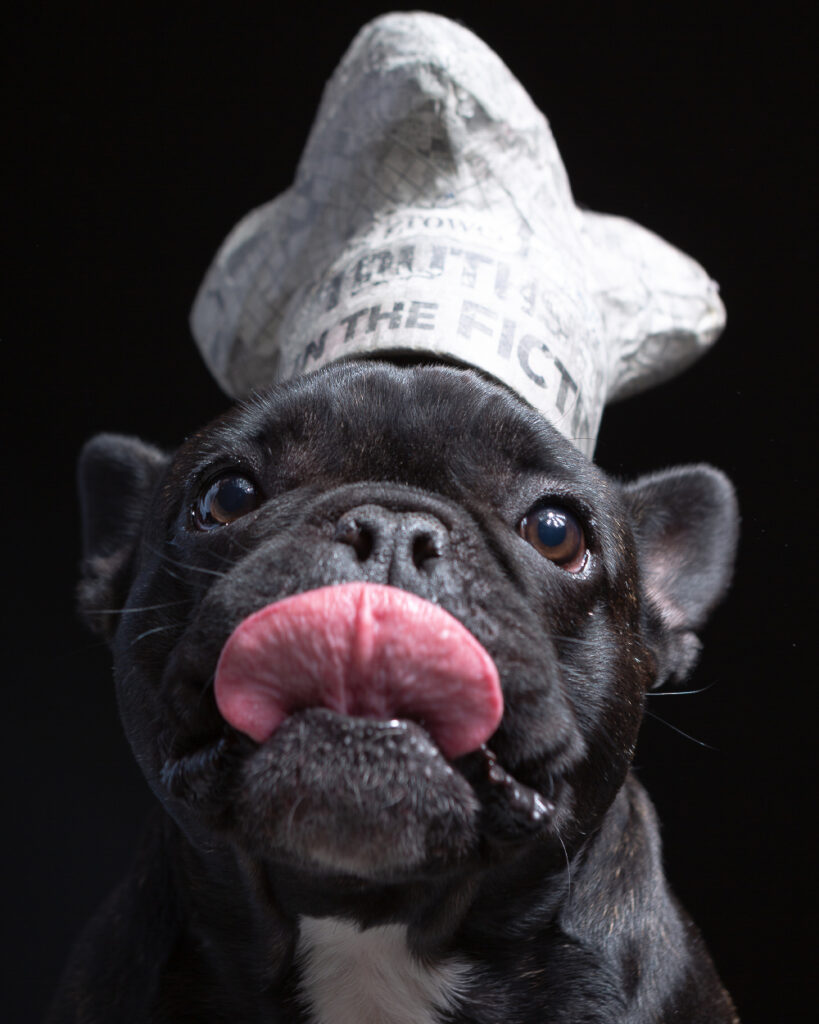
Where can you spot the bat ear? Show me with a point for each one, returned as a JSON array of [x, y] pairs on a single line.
[[686, 524], [116, 476]]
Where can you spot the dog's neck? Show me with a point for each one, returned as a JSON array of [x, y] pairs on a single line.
[[388, 957]]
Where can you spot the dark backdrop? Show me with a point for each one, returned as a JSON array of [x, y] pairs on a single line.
[[136, 139]]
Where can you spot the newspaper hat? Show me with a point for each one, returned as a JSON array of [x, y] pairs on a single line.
[[431, 213]]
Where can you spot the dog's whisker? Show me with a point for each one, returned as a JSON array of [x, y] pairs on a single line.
[[128, 676], [291, 816], [156, 629], [183, 565], [171, 573], [226, 558], [557, 638], [568, 867], [700, 743], [680, 693], [134, 611], [195, 568], [207, 685]]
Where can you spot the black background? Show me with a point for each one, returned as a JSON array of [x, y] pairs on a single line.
[[136, 138]]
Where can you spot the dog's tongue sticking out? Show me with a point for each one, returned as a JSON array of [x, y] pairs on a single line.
[[360, 649]]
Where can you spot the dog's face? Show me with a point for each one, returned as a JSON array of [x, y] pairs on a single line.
[[386, 622]]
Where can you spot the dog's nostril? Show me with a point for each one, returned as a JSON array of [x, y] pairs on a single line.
[[395, 543], [359, 537], [423, 549]]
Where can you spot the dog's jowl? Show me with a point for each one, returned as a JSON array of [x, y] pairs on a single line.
[[384, 643]]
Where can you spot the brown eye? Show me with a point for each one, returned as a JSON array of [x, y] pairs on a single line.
[[557, 535], [226, 500]]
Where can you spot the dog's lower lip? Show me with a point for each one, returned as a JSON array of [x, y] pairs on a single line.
[[181, 772], [512, 811], [525, 799]]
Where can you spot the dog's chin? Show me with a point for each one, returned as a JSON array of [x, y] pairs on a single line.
[[355, 796], [348, 796]]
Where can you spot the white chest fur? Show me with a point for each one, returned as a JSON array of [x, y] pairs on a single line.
[[351, 976]]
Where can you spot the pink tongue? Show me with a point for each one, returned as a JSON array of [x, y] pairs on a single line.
[[360, 649]]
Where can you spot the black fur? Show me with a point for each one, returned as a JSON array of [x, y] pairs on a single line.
[[565, 917]]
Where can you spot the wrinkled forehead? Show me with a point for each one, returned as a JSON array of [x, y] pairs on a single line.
[[424, 426]]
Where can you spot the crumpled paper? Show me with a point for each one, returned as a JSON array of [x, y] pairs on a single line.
[[431, 213]]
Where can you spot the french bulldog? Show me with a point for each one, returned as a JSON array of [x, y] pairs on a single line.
[[382, 638]]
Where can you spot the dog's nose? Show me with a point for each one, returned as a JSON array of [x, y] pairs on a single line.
[[393, 546]]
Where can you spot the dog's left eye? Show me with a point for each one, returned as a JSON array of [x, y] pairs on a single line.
[[557, 535], [225, 500]]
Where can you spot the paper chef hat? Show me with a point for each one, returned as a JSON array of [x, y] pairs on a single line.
[[431, 213]]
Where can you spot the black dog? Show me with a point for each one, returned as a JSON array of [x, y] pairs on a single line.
[[382, 653]]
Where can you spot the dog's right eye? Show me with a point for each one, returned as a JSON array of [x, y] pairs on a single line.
[[224, 501]]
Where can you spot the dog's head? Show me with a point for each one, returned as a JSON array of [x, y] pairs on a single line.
[[385, 622]]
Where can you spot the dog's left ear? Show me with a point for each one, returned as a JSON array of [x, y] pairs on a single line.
[[116, 476], [685, 524]]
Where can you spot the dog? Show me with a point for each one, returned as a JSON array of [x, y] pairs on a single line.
[[382, 638]]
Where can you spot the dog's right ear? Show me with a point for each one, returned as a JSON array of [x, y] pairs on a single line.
[[116, 476]]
